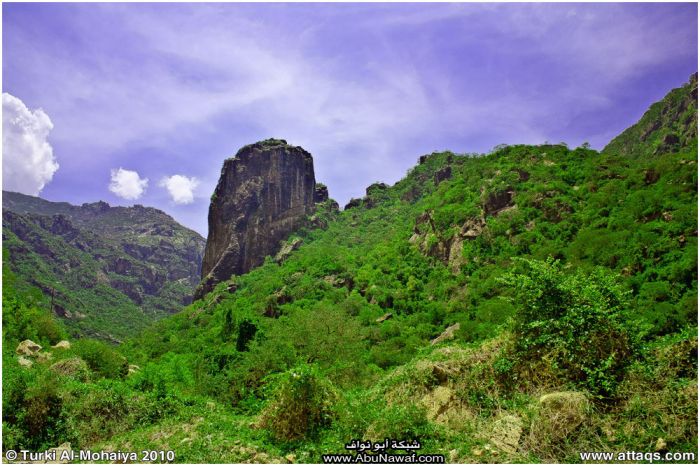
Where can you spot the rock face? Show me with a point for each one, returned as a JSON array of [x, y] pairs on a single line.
[[264, 193]]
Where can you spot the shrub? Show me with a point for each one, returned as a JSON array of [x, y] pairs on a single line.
[[575, 319], [301, 403], [246, 332], [41, 417], [400, 422], [102, 359]]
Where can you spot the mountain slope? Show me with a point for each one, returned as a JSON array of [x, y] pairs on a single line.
[[669, 125], [110, 270], [572, 275]]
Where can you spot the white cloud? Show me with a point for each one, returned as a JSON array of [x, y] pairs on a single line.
[[27, 157], [127, 184], [180, 188]]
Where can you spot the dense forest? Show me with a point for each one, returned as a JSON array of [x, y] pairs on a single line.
[[523, 305]]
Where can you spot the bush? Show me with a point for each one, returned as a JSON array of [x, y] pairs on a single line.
[[102, 359], [400, 422], [575, 320], [301, 403], [41, 416]]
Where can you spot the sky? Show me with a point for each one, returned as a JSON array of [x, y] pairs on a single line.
[[141, 103]]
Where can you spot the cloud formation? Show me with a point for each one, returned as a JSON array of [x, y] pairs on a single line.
[[28, 162], [181, 188], [127, 184]]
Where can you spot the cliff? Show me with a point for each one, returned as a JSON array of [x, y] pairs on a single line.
[[264, 193]]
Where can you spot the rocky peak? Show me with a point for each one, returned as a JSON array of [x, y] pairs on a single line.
[[96, 207], [264, 193]]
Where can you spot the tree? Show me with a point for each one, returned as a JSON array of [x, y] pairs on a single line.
[[575, 320]]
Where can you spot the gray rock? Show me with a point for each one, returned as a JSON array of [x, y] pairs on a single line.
[[448, 334], [264, 193]]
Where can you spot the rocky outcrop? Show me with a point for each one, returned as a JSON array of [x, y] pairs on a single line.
[[448, 334], [443, 174], [353, 203], [264, 193], [287, 249], [24, 362], [63, 344], [498, 201], [448, 250], [320, 193]]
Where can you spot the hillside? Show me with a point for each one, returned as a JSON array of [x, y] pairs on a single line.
[[524, 305], [109, 271], [668, 126]]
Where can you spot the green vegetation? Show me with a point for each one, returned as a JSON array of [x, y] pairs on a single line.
[[110, 271], [572, 275]]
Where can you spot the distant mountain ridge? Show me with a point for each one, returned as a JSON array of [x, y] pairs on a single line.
[[110, 270]]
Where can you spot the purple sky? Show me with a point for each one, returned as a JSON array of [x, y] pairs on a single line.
[[173, 89]]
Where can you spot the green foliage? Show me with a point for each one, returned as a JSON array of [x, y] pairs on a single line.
[[353, 311], [575, 317], [246, 332], [301, 403], [25, 315], [104, 269], [101, 358]]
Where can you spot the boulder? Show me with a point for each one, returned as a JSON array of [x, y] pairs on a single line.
[[438, 403], [386, 316], [472, 228], [448, 334], [561, 413], [28, 348], [506, 432], [63, 344], [24, 362], [456, 259], [498, 201]]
